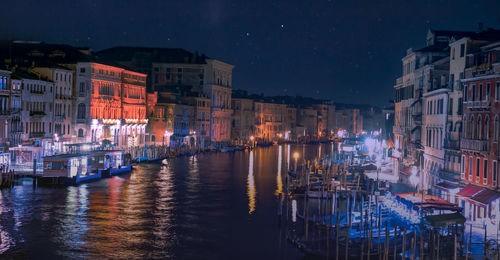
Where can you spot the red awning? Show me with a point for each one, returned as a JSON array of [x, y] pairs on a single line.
[[486, 196], [469, 191], [406, 171]]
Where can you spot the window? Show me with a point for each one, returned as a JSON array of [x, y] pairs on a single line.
[[81, 111], [487, 128], [462, 172], [485, 171], [470, 168], [80, 132], [495, 172], [480, 92], [453, 53], [497, 91], [478, 161], [473, 94], [82, 70], [450, 106], [462, 49], [479, 128], [497, 128], [472, 131], [464, 129], [82, 87], [488, 91], [465, 93]]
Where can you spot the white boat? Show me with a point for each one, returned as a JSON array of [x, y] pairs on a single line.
[[164, 162]]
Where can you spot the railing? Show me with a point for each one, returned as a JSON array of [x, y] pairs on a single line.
[[37, 134], [60, 118], [449, 175], [37, 113], [478, 104], [399, 81], [452, 145], [36, 92], [80, 121], [474, 145]]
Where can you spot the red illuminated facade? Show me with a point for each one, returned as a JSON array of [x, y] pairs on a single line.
[[110, 105], [481, 115]]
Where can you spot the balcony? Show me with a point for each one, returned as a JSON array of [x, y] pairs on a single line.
[[452, 145], [449, 175], [60, 118], [37, 134], [478, 104], [36, 92], [37, 113], [474, 145]]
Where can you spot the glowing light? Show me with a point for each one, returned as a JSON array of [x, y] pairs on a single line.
[[294, 210], [251, 186], [296, 155], [279, 182], [95, 121], [251, 138]]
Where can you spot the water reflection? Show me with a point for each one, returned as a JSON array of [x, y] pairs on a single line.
[[279, 182], [251, 186], [288, 157], [201, 207]]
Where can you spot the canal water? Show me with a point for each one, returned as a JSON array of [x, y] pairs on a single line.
[[208, 206]]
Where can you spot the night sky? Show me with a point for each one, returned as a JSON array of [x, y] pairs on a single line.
[[348, 51]]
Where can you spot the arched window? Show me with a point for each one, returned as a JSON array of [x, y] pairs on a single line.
[[81, 111], [472, 132], [465, 127], [497, 128], [80, 132], [487, 128], [479, 128]]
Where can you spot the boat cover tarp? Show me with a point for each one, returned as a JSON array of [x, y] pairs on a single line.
[[444, 220]]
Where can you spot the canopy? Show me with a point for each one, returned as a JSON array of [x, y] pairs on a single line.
[[469, 191], [444, 220], [485, 196]]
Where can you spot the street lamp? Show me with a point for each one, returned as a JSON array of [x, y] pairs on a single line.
[[296, 156]]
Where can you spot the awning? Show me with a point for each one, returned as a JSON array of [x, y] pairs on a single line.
[[469, 191], [446, 186], [485, 196], [406, 171], [445, 220]]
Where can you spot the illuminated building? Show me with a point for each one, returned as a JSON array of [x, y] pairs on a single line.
[[110, 107], [37, 109], [63, 103], [481, 118], [243, 119], [326, 118], [4, 108], [434, 78], [408, 101], [307, 118], [349, 120], [16, 128], [180, 68], [269, 120]]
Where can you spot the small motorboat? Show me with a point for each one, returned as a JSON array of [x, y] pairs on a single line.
[[164, 162]]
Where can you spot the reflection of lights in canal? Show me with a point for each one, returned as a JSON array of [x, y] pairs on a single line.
[[279, 182], [251, 186]]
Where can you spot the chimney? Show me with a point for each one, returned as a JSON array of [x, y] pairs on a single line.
[[480, 27]]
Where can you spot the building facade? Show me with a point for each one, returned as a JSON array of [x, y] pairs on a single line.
[[110, 107]]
